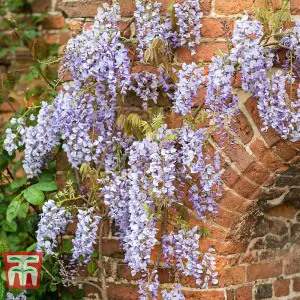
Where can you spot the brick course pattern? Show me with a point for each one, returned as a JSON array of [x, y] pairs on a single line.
[[257, 232]]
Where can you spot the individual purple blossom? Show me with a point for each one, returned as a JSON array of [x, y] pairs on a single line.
[[15, 135], [21, 296], [145, 85], [173, 294], [53, 222], [188, 16], [85, 237], [189, 80]]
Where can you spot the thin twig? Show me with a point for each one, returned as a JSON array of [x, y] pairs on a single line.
[[101, 267], [10, 174], [89, 283]]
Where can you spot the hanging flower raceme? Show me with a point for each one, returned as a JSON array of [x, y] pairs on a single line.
[[181, 249], [85, 238], [173, 294], [53, 222], [189, 80], [188, 16]]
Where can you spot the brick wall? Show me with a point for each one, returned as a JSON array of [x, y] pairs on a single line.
[[257, 232]]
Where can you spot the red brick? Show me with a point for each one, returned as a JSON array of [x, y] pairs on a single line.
[[63, 37], [89, 8], [122, 291], [296, 284], [257, 173], [245, 188], [204, 51], [39, 6], [266, 156], [263, 271], [226, 218], [230, 177], [270, 136], [284, 211], [111, 247], [231, 276], [234, 203], [236, 152], [282, 287], [285, 151], [204, 295], [291, 263], [205, 6], [217, 233], [295, 7], [244, 293], [53, 22], [227, 7], [212, 28], [245, 131]]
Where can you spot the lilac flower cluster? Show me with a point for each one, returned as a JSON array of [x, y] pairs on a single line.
[[53, 222], [145, 85], [181, 249], [86, 234], [173, 294], [14, 137], [189, 80], [148, 288], [193, 160], [40, 140], [292, 41], [98, 54], [221, 104], [188, 16], [21, 296], [151, 26]]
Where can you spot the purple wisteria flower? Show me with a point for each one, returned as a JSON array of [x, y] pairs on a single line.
[[53, 222], [181, 249], [85, 238], [173, 294], [148, 290]]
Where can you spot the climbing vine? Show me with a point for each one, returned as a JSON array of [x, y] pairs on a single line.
[[131, 167]]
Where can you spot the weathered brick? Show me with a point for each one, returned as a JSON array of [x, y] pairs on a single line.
[[257, 173], [245, 188], [230, 177], [226, 218], [204, 51], [296, 284], [205, 6], [111, 247], [270, 136], [282, 287], [270, 160], [228, 7], [285, 151], [244, 293], [204, 295], [122, 291], [231, 276], [89, 8], [53, 22], [264, 291], [39, 6], [213, 28], [263, 271], [284, 211], [75, 27], [234, 203], [291, 263], [295, 7], [245, 131]]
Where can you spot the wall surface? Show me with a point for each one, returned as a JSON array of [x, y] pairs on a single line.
[[257, 232]]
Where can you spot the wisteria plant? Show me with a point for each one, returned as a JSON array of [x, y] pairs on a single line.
[[129, 165]]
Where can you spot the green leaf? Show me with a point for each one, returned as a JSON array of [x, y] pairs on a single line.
[[53, 287], [3, 275], [9, 226], [32, 247], [46, 186], [46, 177], [91, 267], [12, 210], [23, 210], [18, 182], [2, 290], [34, 196]]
